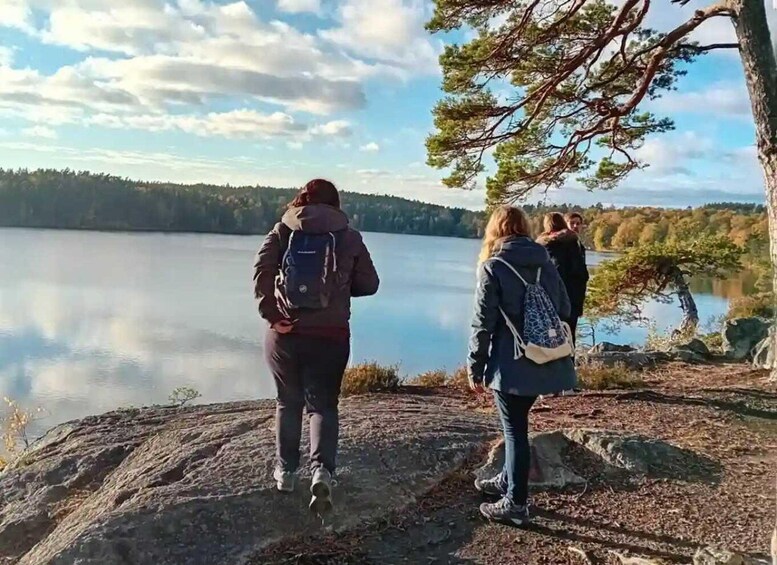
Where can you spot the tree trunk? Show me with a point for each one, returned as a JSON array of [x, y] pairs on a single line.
[[687, 303], [760, 66]]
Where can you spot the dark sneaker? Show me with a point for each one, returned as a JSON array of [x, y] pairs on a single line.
[[491, 487], [321, 489], [506, 512], [284, 480]]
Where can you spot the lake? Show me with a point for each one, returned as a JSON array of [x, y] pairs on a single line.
[[92, 321]]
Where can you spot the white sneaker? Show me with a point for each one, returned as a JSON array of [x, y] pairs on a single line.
[[321, 489], [284, 480]]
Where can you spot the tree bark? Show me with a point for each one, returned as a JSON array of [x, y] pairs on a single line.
[[760, 65], [687, 304]]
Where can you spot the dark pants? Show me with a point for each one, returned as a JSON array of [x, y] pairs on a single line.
[[572, 321], [514, 414], [308, 372]]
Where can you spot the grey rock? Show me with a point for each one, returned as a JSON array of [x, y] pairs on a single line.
[[687, 356], [717, 556], [696, 346], [742, 335], [645, 456], [548, 467], [763, 354], [170, 486], [552, 466], [629, 560], [607, 347], [634, 360]]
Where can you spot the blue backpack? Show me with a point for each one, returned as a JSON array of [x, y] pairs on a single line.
[[545, 337], [308, 270]]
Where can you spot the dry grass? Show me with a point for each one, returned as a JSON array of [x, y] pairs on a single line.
[[430, 379], [457, 379], [370, 377], [598, 376], [761, 304]]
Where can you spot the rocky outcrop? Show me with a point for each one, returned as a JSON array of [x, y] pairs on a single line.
[[607, 347], [763, 354], [634, 360], [717, 556], [692, 351], [170, 486], [742, 335], [555, 456]]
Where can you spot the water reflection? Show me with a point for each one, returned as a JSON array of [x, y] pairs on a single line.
[[94, 321]]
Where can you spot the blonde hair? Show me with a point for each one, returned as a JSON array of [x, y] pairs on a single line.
[[505, 221], [555, 222]]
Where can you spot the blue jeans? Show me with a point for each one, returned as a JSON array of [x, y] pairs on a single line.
[[514, 414]]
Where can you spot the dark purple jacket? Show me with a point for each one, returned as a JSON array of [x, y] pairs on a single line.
[[357, 275]]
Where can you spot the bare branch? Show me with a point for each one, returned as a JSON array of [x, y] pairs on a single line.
[[711, 47]]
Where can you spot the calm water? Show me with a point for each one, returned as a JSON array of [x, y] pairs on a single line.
[[94, 321]]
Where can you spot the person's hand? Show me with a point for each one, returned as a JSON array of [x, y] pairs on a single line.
[[478, 388], [282, 327]]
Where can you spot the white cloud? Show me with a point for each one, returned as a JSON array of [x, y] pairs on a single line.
[[299, 6], [295, 145], [16, 14], [336, 128], [40, 131], [389, 31], [186, 53], [6, 56], [371, 147], [373, 173], [720, 99]]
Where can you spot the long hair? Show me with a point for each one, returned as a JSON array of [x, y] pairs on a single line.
[[505, 221], [554, 222], [317, 191]]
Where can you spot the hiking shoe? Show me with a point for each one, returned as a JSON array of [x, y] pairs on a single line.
[[321, 489], [284, 480], [494, 486], [506, 512]]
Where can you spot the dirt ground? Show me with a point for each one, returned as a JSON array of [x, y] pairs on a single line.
[[725, 413]]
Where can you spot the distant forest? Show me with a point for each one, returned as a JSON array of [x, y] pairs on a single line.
[[82, 200]]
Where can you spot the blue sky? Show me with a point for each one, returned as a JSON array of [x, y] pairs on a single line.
[[275, 92]]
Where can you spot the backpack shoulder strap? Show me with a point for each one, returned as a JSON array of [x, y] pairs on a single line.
[[284, 236], [513, 269]]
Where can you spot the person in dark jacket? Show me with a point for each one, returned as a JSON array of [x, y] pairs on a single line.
[[308, 349], [516, 383], [568, 254]]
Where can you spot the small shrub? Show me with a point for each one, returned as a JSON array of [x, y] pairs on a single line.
[[430, 379], [182, 395], [15, 431], [598, 376], [761, 304], [370, 377], [713, 341], [459, 379]]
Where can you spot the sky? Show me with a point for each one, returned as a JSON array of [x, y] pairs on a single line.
[[275, 92]]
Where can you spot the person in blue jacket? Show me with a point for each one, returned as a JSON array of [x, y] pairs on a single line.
[[516, 383]]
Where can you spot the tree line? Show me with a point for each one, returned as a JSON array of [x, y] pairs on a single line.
[[68, 199]]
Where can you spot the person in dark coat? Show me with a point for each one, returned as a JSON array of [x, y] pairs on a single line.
[[308, 349], [516, 383], [568, 254]]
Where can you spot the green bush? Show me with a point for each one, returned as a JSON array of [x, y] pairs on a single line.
[[370, 377], [598, 376]]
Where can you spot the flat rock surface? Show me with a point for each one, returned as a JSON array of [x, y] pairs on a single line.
[[193, 485]]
